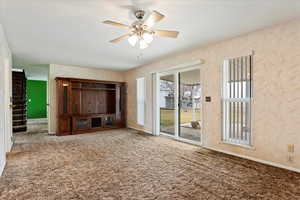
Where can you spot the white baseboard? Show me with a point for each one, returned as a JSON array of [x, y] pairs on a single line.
[[51, 133], [2, 166], [256, 160], [137, 129], [37, 120], [10, 146]]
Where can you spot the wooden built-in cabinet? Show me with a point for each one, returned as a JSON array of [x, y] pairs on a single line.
[[89, 105]]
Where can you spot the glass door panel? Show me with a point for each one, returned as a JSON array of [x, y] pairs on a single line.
[[167, 110], [190, 110]]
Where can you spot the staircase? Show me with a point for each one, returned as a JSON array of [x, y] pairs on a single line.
[[19, 101]]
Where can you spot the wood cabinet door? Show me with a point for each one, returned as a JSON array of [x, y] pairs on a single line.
[[64, 127], [76, 101]]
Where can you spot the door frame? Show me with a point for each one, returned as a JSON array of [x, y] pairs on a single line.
[[8, 103], [176, 72]]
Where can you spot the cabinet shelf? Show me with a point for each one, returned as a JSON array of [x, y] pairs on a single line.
[[79, 88], [95, 115]]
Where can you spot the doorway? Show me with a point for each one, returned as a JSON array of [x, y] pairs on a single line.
[[30, 83], [179, 104]]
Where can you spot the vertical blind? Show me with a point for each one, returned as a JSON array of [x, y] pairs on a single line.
[[236, 100], [140, 82]]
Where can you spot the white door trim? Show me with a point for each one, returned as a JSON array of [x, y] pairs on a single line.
[[180, 66], [7, 104]]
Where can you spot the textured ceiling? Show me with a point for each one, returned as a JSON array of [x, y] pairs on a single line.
[[70, 32]]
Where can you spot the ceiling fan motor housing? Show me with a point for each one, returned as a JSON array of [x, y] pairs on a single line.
[[139, 14]]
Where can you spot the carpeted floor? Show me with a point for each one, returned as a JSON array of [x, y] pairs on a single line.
[[123, 164]]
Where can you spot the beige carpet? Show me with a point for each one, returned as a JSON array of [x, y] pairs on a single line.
[[122, 164]]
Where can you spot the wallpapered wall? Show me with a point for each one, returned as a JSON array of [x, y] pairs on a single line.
[[276, 102]]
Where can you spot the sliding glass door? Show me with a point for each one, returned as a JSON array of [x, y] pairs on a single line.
[[180, 104], [190, 105], [167, 111]]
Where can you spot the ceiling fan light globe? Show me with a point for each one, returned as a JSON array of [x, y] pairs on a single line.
[[143, 44], [133, 40], [148, 37]]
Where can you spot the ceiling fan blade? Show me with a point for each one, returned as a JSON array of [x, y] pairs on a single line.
[[123, 37], [154, 18], [115, 23], [166, 33]]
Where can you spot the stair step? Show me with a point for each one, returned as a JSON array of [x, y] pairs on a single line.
[[19, 101], [19, 105], [19, 120], [15, 110], [19, 123], [19, 115], [22, 129], [19, 108], [20, 126]]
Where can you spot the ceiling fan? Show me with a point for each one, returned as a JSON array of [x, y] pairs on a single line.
[[141, 30]]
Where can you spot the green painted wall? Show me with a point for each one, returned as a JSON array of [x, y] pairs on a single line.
[[36, 99]]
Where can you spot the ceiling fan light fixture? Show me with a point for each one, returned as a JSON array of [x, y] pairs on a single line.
[[133, 40], [148, 37], [141, 31], [143, 44]]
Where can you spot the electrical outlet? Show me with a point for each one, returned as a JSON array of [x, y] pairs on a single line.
[[291, 148]]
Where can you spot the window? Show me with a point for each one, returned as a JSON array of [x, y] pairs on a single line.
[[236, 100], [141, 85]]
